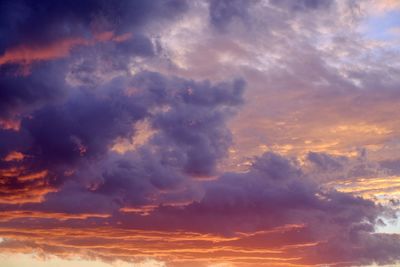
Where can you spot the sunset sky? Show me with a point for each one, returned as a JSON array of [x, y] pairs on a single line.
[[199, 133]]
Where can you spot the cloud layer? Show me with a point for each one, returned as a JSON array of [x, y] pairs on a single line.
[[193, 133]]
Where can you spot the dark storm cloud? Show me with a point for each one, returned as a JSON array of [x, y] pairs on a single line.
[[34, 31], [78, 133], [38, 23], [277, 192], [18, 94], [86, 121], [249, 206], [69, 120], [195, 124], [191, 137], [276, 187]]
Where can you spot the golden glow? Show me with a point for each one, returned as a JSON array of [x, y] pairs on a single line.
[[14, 156], [380, 189], [143, 132], [16, 214], [33, 176], [33, 186], [174, 246]]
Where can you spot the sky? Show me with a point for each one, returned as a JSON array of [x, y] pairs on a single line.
[[199, 133]]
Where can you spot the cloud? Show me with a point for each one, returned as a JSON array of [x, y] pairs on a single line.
[[191, 135], [25, 21], [304, 4], [126, 133], [273, 213], [222, 12], [21, 94]]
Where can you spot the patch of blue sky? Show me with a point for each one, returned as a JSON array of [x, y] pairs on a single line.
[[392, 226], [382, 27]]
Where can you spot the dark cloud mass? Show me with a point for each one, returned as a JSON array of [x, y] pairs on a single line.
[[25, 21], [112, 148]]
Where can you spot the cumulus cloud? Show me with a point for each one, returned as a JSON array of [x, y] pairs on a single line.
[[275, 212], [247, 133]]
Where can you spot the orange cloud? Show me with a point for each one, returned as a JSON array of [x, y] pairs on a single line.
[[18, 185], [13, 125], [33, 176], [14, 156], [176, 247], [30, 194], [17, 214], [379, 189], [26, 54]]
